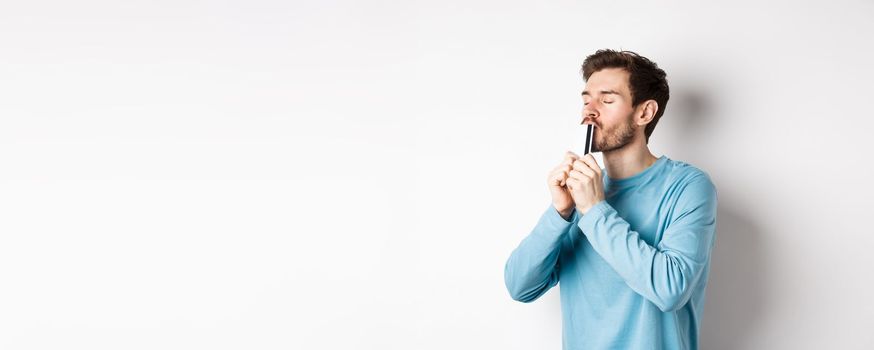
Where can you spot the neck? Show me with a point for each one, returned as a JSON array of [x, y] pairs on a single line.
[[628, 161]]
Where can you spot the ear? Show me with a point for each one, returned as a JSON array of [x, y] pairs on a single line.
[[646, 112]]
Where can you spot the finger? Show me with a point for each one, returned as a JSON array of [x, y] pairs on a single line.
[[560, 179], [561, 172], [567, 163], [557, 176], [578, 176], [572, 184], [570, 157], [561, 169], [583, 167], [592, 163]]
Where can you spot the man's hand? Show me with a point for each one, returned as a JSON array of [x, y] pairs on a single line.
[[585, 183], [561, 197]]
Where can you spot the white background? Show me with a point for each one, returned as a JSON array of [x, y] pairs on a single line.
[[333, 175]]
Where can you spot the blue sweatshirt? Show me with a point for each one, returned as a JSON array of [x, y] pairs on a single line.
[[633, 269]]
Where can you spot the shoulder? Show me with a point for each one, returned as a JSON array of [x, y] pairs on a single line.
[[690, 181], [687, 173]]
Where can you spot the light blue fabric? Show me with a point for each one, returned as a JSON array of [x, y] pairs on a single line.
[[633, 269]]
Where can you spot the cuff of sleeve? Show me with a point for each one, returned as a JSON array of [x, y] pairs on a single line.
[[553, 220], [595, 213]]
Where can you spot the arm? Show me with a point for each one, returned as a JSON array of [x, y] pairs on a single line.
[[532, 268], [665, 274]]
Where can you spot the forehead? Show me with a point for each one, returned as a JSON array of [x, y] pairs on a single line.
[[609, 79]]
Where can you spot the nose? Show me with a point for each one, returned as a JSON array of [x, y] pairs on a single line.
[[590, 113]]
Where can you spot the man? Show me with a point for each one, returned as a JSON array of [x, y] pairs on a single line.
[[630, 243]]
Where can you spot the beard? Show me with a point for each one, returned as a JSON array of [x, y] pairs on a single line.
[[614, 138]]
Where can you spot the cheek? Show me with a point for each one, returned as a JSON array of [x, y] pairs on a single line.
[[610, 118], [616, 115]]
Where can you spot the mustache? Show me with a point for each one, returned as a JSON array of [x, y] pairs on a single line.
[[590, 121]]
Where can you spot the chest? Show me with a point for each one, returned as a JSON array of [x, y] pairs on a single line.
[[646, 211]]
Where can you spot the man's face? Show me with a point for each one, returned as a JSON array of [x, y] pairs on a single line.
[[607, 105]]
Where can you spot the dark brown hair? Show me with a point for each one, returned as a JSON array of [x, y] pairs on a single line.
[[646, 80]]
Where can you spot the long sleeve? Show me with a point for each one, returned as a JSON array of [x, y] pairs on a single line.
[[533, 268], [667, 273]]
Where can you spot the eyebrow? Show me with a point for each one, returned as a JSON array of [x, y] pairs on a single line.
[[603, 92]]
